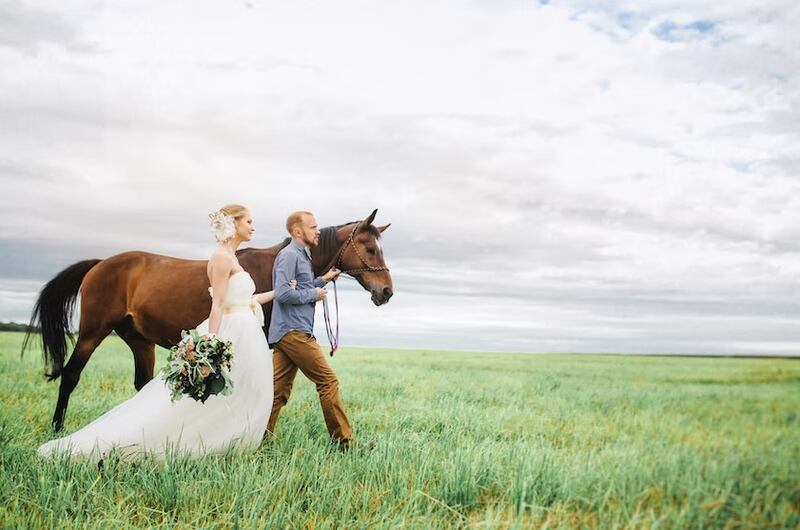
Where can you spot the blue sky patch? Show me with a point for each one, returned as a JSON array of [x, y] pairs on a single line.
[[672, 32]]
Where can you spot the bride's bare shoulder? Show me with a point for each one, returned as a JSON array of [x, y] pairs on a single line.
[[220, 261], [220, 256]]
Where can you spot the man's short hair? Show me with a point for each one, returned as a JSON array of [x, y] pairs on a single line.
[[295, 218]]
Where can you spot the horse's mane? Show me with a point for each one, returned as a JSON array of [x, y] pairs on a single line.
[[327, 238]]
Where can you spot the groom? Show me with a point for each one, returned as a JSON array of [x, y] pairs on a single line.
[[291, 331]]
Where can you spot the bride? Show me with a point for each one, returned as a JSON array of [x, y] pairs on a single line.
[[150, 422]]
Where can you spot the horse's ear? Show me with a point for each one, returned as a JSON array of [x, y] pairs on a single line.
[[384, 227], [368, 220]]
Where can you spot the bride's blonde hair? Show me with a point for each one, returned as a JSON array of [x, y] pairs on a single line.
[[222, 221], [236, 211]]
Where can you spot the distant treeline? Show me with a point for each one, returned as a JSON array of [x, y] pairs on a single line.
[[16, 326]]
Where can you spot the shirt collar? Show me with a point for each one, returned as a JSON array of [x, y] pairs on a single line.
[[301, 247]]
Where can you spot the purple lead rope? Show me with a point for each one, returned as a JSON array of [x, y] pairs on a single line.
[[333, 337]]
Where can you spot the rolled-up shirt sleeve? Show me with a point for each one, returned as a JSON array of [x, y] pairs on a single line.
[[319, 282], [285, 270]]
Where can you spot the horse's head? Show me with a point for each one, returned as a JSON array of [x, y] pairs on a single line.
[[361, 256]]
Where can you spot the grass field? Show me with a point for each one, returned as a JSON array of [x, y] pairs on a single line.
[[464, 440]]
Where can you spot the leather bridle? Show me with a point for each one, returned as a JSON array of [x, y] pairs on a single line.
[[351, 242]]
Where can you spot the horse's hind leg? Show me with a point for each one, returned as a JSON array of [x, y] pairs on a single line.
[[84, 347], [144, 357], [144, 352]]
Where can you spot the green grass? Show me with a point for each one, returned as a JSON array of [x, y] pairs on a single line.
[[464, 440]]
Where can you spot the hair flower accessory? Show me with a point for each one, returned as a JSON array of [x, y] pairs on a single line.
[[222, 225]]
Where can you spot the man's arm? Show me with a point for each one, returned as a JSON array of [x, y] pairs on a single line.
[[285, 270]]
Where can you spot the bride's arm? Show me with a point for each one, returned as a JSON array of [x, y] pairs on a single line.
[[269, 296], [220, 274]]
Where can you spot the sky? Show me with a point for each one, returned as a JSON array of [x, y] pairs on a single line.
[[560, 176]]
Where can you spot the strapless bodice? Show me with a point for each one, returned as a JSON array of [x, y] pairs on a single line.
[[240, 290]]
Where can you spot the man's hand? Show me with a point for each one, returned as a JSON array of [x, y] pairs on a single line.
[[331, 274], [321, 293]]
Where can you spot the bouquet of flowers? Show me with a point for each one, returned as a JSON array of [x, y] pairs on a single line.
[[198, 366]]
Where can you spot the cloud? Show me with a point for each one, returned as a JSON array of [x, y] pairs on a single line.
[[27, 29]]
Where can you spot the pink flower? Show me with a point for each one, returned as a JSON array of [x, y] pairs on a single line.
[[204, 371]]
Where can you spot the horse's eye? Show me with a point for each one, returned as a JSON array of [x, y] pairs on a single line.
[[371, 250]]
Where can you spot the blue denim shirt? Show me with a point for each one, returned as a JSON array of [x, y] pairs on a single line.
[[293, 309]]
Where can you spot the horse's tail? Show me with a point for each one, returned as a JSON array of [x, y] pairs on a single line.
[[52, 314]]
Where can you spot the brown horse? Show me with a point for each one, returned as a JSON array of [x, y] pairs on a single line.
[[148, 299]]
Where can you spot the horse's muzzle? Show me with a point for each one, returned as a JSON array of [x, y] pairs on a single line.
[[381, 296]]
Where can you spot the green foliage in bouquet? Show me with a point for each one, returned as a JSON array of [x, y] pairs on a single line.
[[198, 366]]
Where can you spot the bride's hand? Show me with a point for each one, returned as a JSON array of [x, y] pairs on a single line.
[[269, 296]]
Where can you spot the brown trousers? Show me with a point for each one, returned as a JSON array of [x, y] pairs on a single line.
[[300, 350]]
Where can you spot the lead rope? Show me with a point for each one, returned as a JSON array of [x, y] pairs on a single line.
[[333, 336]]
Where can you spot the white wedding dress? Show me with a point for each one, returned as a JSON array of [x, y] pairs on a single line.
[[150, 422]]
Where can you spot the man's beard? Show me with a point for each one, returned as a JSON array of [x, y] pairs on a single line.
[[309, 242]]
